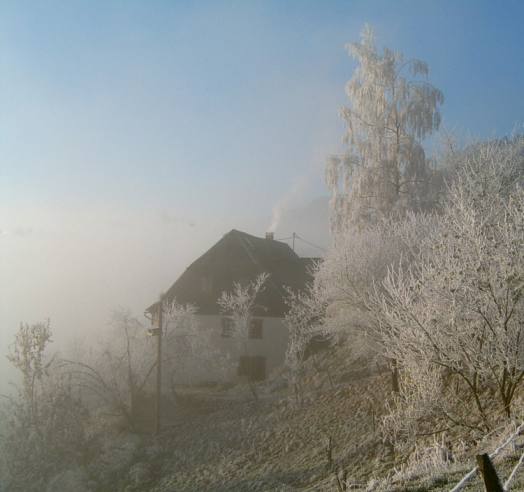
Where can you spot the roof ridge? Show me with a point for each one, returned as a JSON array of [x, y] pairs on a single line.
[[252, 254]]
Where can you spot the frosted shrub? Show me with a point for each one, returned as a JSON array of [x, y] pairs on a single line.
[[460, 305], [240, 304], [115, 374], [305, 321], [425, 461], [413, 404], [354, 270], [45, 426], [190, 354]]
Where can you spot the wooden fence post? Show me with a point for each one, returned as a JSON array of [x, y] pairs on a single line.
[[489, 474], [329, 453]]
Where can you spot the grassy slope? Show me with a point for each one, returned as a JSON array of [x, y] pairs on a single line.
[[224, 441]]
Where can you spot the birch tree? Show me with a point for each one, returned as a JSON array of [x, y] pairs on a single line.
[[392, 109]]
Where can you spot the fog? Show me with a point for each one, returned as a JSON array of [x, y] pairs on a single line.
[[131, 145], [117, 179], [75, 267], [381, 350]]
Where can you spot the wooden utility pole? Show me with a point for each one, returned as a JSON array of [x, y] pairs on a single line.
[[158, 399], [294, 235]]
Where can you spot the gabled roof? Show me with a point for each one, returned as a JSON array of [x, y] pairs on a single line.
[[241, 257]]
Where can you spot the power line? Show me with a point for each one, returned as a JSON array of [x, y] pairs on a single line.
[[309, 243]]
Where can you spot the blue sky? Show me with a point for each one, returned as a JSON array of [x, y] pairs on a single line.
[[134, 133], [119, 101]]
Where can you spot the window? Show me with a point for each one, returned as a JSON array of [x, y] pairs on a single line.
[[255, 328], [228, 328], [253, 367]]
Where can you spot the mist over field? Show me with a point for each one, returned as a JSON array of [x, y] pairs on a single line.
[[261, 245], [76, 267]]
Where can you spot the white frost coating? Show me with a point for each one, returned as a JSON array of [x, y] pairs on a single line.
[[190, 356], [458, 310], [240, 304], [472, 472], [305, 320], [513, 473], [389, 114]]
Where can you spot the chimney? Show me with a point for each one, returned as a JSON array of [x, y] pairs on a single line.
[[270, 235]]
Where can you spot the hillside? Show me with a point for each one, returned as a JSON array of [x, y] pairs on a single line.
[[222, 440]]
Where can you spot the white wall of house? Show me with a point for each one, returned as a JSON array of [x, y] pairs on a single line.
[[272, 346]]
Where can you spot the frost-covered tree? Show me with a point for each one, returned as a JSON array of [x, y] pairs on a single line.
[[116, 372], [352, 271], [189, 354], [454, 320], [240, 304], [305, 321], [120, 371], [45, 427], [28, 356], [392, 109]]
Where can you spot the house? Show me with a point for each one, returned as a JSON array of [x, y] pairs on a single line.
[[241, 257]]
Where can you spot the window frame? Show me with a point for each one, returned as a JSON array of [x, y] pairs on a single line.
[[228, 327], [256, 329]]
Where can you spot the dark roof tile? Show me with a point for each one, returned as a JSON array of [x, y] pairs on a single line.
[[241, 257]]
